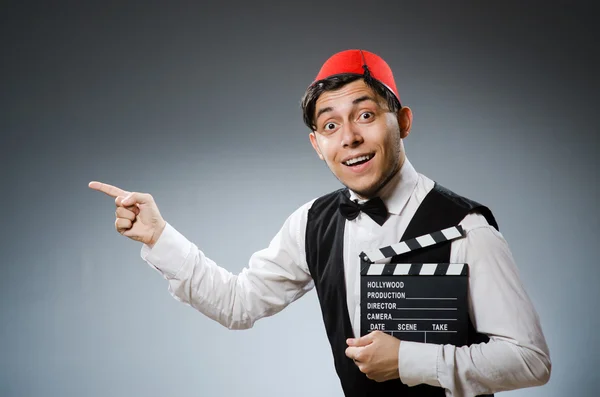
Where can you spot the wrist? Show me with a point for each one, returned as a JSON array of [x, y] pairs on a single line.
[[157, 233]]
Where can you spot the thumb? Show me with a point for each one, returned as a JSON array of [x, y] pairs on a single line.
[[131, 233], [136, 198], [362, 341]]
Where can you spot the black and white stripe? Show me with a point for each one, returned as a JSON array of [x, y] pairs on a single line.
[[415, 269], [402, 247]]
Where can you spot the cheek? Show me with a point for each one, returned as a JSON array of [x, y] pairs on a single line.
[[327, 151], [389, 151], [392, 141]]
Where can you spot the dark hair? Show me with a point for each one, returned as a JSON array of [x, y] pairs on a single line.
[[335, 82]]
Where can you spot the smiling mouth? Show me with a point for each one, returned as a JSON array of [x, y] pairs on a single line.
[[358, 160]]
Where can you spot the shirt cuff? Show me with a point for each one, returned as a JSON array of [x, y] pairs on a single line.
[[168, 253], [417, 363]]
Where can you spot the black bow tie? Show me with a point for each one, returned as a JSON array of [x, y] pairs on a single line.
[[375, 208]]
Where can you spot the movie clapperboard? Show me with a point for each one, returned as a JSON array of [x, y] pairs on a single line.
[[419, 302]]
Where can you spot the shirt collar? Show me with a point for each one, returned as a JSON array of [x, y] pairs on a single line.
[[397, 191]]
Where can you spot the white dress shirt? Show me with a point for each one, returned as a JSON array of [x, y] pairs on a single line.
[[515, 357]]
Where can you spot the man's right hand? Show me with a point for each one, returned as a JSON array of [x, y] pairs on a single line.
[[137, 214]]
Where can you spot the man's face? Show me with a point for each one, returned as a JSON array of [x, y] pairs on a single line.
[[359, 138]]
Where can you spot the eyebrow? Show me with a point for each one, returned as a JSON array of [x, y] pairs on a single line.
[[354, 102]]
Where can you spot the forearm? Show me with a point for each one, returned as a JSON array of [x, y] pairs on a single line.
[[235, 301], [266, 286], [195, 280], [213, 291], [485, 368], [491, 367]]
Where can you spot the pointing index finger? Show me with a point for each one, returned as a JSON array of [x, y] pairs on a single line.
[[105, 188]]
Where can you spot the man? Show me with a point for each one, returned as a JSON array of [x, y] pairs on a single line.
[[357, 128]]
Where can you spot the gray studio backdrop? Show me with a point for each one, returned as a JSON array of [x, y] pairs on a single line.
[[199, 105]]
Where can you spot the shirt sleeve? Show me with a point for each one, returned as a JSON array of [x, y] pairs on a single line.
[[516, 355], [275, 276]]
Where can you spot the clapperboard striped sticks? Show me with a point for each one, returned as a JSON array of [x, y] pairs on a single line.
[[415, 269], [403, 247], [421, 302]]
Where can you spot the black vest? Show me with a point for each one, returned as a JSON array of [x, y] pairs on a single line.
[[440, 209]]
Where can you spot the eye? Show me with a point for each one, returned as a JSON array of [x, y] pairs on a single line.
[[329, 126], [366, 116]]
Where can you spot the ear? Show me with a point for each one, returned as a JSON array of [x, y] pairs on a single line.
[[315, 144], [405, 118]]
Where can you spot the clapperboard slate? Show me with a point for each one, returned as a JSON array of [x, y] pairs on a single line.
[[419, 302]]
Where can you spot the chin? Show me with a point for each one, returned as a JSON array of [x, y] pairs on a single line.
[[364, 191]]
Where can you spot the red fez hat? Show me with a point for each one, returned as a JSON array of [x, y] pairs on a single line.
[[359, 62]]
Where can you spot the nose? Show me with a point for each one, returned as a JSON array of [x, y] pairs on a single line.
[[351, 136]]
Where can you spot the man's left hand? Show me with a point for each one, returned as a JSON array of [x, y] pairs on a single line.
[[375, 355]]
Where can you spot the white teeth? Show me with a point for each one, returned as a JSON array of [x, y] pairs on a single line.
[[357, 159]]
